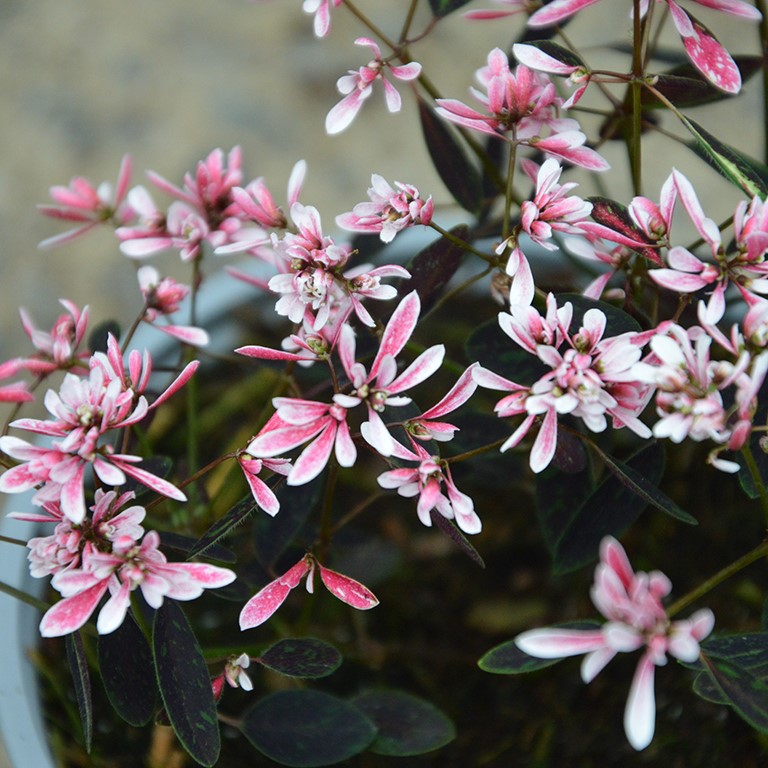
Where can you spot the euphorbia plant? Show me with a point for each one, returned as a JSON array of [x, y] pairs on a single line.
[[658, 339]]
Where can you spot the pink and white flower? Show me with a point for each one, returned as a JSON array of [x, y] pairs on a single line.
[[389, 211], [631, 602], [427, 481], [129, 565], [89, 206], [268, 599], [357, 86], [382, 386]]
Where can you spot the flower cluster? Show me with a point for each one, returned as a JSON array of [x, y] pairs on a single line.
[[623, 324]]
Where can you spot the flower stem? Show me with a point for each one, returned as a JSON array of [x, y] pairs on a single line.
[[754, 473], [730, 570]]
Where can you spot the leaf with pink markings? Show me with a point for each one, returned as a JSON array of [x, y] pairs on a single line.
[[71, 613], [348, 590]]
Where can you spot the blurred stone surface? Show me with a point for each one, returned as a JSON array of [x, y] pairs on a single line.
[[84, 83]]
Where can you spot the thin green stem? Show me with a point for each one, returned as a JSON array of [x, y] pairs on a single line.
[[10, 540], [635, 151], [41, 605], [763, 29], [508, 193], [463, 244], [754, 473], [730, 570]]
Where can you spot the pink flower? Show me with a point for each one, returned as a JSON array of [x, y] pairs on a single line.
[[425, 427], [357, 86], [534, 58], [593, 377], [89, 206], [520, 107], [516, 6], [57, 349], [128, 566], [706, 53], [314, 280], [426, 481], [298, 421], [162, 297], [262, 493], [382, 386], [388, 211], [267, 600], [631, 602], [551, 209], [322, 11]]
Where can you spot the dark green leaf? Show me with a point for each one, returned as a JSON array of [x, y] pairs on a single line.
[[433, 267], [185, 684], [97, 338], [617, 321], [272, 535], [558, 52], [493, 349], [305, 728], [78, 666], [125, 662], [748, 174], [223, 527], [647, 490], [743, 690], [609, 510], [444, 7], [406, 725], [460, 177], [685, 86], [748, 650], [558, 496], [508, 659], [452, 532], [705, 686], [301, 657]]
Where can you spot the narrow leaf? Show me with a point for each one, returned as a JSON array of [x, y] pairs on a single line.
[[125, 663], [306, 728], [615, 216], [272, 535], [433, 267], [453, 533], [636, 482], [609, 510], [685, 86], [745, 172], [223, 527], [748, 650], [460, 177], [558, 52], [305, 657], [185, 684], [406, 724], [78, 666]]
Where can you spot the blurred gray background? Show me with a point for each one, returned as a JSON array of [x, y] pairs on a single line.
[[82, 83]]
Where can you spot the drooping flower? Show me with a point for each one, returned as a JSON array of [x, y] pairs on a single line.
[[427, 480], [268, 599], [631, 603], [357, 86], [322, 11]]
